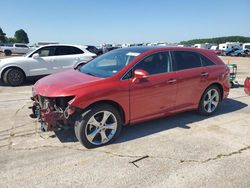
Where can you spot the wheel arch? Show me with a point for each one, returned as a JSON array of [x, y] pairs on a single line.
[[9, 67], [79, 63], [114, 104], [217, 85]]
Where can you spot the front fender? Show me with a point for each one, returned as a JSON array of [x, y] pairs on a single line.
[[10, 65]]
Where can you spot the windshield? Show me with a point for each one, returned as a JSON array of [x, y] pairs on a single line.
[[108, 64]]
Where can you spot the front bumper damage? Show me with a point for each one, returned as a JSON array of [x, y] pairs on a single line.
[[53, 113]]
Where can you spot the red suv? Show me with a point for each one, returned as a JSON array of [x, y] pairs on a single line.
[[128, 86], [247, 85]]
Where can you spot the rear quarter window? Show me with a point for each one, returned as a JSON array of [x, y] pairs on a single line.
[[206, 62]]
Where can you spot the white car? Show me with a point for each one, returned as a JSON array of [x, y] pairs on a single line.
[[16, 48], [43, 61]]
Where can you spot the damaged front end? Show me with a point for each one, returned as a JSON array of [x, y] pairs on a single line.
[[53, 112]]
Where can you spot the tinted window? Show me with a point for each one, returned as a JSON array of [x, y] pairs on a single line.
[[46, 51], [67, 50], [63, 50], [206, 62], [155, 64], [21, 46], [186, 60], [75, 50], [92, 49]]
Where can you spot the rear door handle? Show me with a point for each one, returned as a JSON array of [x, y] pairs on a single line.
[[171, 81], [204, 74]]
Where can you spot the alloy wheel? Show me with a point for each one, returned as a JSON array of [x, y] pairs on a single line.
[[211, 100], [101, 127]]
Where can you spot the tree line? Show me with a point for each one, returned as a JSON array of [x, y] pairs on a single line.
[[217, 40], [19, 37]]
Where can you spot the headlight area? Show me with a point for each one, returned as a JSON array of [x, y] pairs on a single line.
[[53, 113]]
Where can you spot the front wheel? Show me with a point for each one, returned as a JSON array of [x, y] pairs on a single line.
[[97, 126], [209, 101], [14, 77]]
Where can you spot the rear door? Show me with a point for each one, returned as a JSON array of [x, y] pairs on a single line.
[[156, 94], [192, 78], [67, 57], [21, 49]]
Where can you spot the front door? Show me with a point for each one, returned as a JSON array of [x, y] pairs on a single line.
[[44, 64], [154, 95]]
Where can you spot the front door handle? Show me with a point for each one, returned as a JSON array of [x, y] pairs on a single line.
[[204, 74], [172, 81]]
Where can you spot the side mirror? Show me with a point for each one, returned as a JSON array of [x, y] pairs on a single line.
[[35, 56], [139, 74]]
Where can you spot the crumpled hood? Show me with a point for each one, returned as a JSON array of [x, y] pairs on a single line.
[[64, 83]]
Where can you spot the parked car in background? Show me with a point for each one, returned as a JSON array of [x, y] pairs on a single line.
[[241, 52], [247, 85], [94, 50], [229, 51], [128, 86], [43, 61], [16, 48]]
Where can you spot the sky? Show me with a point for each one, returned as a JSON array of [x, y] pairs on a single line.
[[124, 21]]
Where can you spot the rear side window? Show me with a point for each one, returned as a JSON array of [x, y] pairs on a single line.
[[206, 62], [186, 60], [75, 50], [21, 46], [67, 50], [63, 50]]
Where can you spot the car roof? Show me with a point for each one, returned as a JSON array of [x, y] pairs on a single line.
[[142, 49], [78, 46]]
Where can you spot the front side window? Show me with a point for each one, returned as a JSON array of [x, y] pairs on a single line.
[[109, 64], [46, 51], [155, 64], [186, 60]]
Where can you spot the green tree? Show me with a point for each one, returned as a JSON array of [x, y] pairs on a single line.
[[11, 40], [2, 35], [217, 40], [21, 36]]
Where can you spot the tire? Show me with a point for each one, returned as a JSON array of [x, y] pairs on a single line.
[[209, 101], [14, 77], [79, 66], [7, 52], [231, 84], [91, 127]]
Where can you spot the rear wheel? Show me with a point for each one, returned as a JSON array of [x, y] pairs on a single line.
[[14, 77], [98, 126], [7, 52], [209, 101]]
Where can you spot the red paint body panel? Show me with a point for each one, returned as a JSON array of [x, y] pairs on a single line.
[[247, 85], [155, 96]]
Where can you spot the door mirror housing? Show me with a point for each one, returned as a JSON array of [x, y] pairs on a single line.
[[139, 74], [35, 56]]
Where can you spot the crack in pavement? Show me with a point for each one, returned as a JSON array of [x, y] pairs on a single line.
[[220, 156], [217, 157], [14, 100]]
